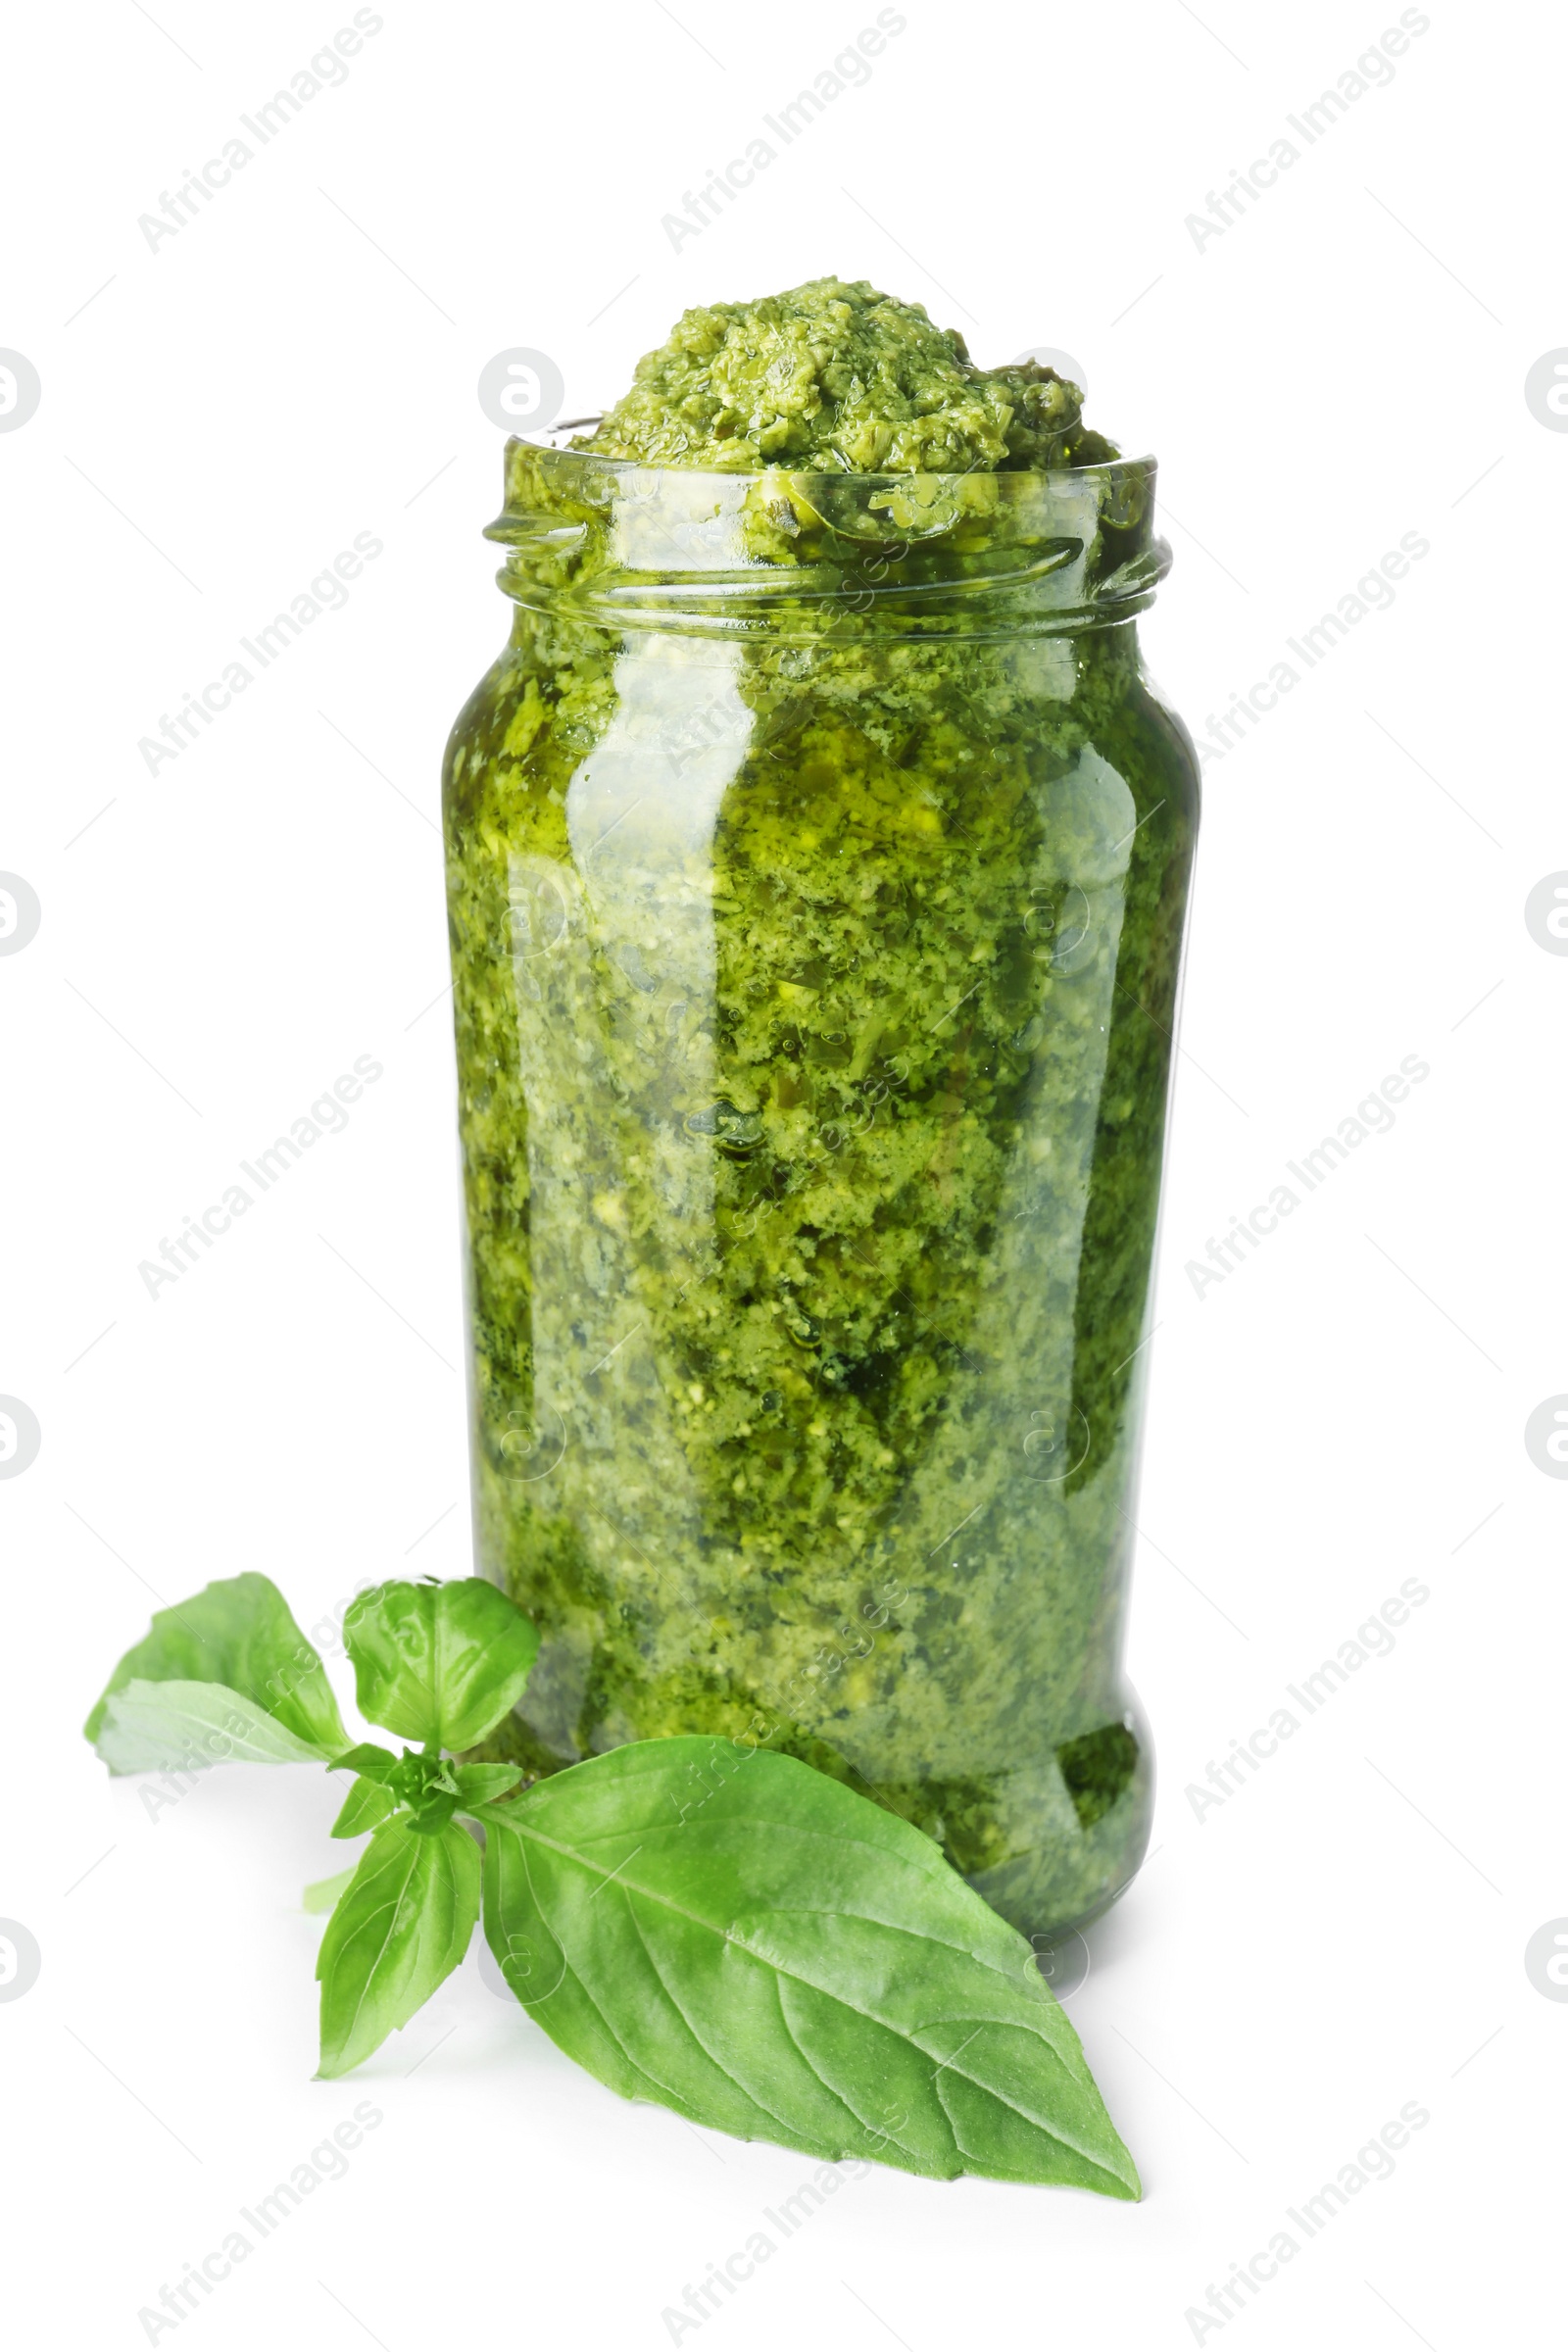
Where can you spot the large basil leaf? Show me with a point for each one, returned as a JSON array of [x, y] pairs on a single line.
[[237, 1632], [438, 1663], [781, 1959], [151, 1727], [399, 1927]]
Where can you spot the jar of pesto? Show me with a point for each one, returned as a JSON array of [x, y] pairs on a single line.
[[817, 855]]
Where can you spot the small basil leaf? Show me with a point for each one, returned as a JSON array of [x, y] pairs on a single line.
[[323, 1892], [438, 1663], [151, 1727], [237, 1632], [482, 1784], [364, 1807], [428, 1786], [399, 1927], [371, 1763], [777, 1957]]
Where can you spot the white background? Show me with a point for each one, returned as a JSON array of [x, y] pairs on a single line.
[[222, 413]]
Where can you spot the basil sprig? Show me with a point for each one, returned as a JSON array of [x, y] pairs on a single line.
[[715, 1927]]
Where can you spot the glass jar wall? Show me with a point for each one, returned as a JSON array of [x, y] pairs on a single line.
[[817, 858]]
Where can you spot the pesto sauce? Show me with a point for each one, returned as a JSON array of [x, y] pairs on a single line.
[[816, 964], [840, 378]]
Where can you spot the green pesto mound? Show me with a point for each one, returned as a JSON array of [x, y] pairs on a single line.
[[838, 378]]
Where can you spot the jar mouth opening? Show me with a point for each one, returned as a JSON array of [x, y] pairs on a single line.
[[557, 443]]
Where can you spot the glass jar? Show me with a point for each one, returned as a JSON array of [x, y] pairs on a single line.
[[818, 858]]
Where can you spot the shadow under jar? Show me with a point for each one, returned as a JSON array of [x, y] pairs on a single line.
[[817, 858]]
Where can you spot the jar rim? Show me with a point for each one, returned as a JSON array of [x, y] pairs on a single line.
[[552, 446], [778, 549]]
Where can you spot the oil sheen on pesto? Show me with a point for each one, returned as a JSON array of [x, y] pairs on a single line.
[[818, 860]]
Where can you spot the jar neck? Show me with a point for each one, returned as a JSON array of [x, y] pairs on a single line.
[[1102, 661], [811, 558]]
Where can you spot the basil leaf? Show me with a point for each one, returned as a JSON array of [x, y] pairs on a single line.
[[370, 1762], [774, 1956], [438, 1663], [482, 1784], [430, 1788], [323, 1894], [237, 1632], [366, 1807], [148, 1727], [399, 1927]]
